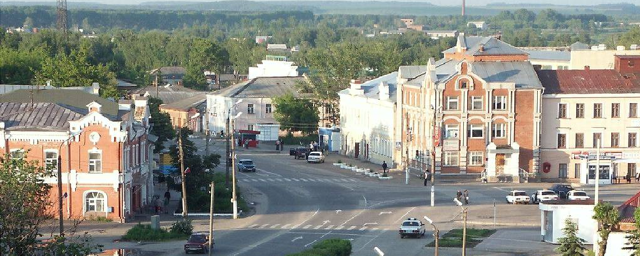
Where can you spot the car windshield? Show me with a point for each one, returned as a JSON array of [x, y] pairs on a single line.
[[411, 224], [197, 239], [519, 193], [548, 193], [247, 162], [579, 194], [315, 154]]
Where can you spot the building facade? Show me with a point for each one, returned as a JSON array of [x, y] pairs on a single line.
[[102, 149], [188, 113]]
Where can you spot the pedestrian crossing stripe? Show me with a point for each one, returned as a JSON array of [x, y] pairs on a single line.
[[307, 227], [328, 227], [253, 226], [275, 226], [351, 228], [264, 226], [363, 228], [318, 227], [314, 227], [339, 227], [335, 180], [286, 226]]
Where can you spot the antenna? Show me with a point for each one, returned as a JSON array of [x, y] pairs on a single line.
[[62, 15]]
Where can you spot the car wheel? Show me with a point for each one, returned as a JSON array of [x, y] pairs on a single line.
[[186, 252], [401, 237]]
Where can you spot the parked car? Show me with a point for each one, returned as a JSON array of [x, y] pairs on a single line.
[[198, 242], [577, 195], [292, 151], [301, 153], [517, 196], [412, 227], [246, 165], [561, 190], [543, 195], [315, 157]]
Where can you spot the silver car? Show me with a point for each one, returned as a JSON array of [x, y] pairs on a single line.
[[411, 227], [315, 157]]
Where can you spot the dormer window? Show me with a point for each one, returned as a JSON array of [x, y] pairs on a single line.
[[464, 84]]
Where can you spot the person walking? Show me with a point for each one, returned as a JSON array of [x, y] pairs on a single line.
[[277, 145], [427, 176], [629, 178], [465, 194], [459, 195], [637, 177], [156, 203], [384, 167], [166, 203], [281, 145]]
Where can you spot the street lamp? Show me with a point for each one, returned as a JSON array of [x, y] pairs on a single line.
[[464, 226], [433, 154], [229, 136], [378, 251], [436, 233], [234, 200]]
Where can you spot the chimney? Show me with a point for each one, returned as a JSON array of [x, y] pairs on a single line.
[[587, 68], [463, 8], [482, 48], [356, 87], [384, 90], [95, 88]]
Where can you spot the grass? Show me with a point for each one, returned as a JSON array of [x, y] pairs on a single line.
[[453, 238], [142, 232], [100, 219]]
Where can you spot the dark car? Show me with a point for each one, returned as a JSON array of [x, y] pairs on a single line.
[[292, 151], [301, 153], [197, 242], [561, 190], [246, 165]]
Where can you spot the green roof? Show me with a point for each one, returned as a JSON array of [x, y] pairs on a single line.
[[70, 98]]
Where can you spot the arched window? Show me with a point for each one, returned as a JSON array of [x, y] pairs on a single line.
[[94, 202]]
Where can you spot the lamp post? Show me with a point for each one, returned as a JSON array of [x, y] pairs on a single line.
[[436, 233], [597, 185], [229, 137], [436, 135], [211, 218], [464, 226], [234, 199]]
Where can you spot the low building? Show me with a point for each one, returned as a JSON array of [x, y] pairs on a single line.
[[437, 34], [367, 119], [599, 57], [277, 47], [482, 25], [167, 93], [582, 107], [188, 112], [553, 215], [550, 60], [274, 66], [101, 146], [170, 75], [618, 239]]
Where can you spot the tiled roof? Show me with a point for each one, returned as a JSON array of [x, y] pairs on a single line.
[[37, 116], [627, 209], [519, 72], [72, 99], [588, 81], [264, 87]]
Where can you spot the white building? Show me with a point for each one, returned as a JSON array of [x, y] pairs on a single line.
[[274, 66], [367, 119], [553, 215], [478, 24], [550, 60]]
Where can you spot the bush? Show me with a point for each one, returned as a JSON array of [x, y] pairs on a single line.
[[183, 227], [100, 219], [142, 232], [329, 247]]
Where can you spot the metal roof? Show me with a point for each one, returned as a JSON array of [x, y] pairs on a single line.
[[410, 72], [37, 116], [549, 55], [480, 46], [72, 99], [187, 103], [588, 81], [175, 70], [264, 87], [372, 87], [519, 72]]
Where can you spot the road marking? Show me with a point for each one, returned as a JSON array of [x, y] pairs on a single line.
[[339, 227], [296, 239], [303, 180], [401, 218], [501, 189], [274, 226], [365, 202], [253, 226], [325, 222], [351, 228], [318, 227], [363, 228], [285, 226], [295, 226], [329, 227], [262, 180], [295, 179], [370, 223], [274, 174], [374, 229], [270, 180], [255, 180], [307, 226], [287, 179], [264, 226], [384, 213], [353, 180], [338, 211], [307, 245]]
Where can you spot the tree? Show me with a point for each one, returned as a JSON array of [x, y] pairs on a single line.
[[571, 244], [296, 114], [24, 198], [161, 123], [204, 55], [607, 217], [634, 235]]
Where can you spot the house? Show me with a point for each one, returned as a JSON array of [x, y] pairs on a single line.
[[366, 122], [598, 57], [256, 105], [462, 112], [583, 106], [437, 34], [7, 88], [277, 47], [552, 60], [262, 39], [189, 112], [482, 25], [553, 215], [167, 93], [618, 240], [170, 75], [274, 66], [102, 148]]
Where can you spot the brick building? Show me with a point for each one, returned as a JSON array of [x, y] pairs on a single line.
[[102, 147], [477, 108]]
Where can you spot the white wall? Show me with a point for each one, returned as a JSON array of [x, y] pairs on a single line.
[[581, 215], [597, 59], [615, 243], [272, 68]]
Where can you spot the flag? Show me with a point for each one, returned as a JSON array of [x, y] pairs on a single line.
[[187, 170]]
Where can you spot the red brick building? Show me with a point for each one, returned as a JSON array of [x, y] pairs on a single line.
[[103, 148], [477, 108]]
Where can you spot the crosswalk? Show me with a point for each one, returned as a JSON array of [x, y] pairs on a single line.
[[315, 227], [300, 180]]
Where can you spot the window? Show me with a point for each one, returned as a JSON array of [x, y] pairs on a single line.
[[596, 137], [579, 140], [94, 202], [250, 109], [562, 110], [615, 110], [476, 131], [597, 110], [51, 160], [562, 171], [17, 154], [576, 171], [95, 162], [451, 131], [633, 109], [580, 110], [499, 131], [452, 103], [268, 108], [562, 141], [477, 158], [250, 127], [499, 102], [463, 84], [632, 140], [476, 103], [615, 139], [631, 168], [451, 158]]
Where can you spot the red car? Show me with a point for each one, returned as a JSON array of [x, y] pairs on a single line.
[[198, 242]]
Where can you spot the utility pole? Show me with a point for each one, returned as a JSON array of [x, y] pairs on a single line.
[[185, 213], [436, 135], [59, 167], [228, 155], [211, 218], [464, 233], [595, 203], [234, 200]]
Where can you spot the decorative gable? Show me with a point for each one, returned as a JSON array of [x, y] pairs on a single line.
[[94, 107]]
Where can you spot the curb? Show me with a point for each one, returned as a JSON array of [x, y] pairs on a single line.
[[484, 223]]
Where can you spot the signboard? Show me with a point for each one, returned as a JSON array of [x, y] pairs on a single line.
[[451, 145], [591, 155]]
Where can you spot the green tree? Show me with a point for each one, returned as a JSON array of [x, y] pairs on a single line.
[[634, 235], [18, 66], [607, 217], [161, 123], [204, 55], [571, 244], [295, 114]]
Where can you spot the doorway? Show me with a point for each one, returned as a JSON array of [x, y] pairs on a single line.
[[500, 161], [357, 152]]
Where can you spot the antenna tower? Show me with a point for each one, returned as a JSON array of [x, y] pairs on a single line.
[[62, 15]]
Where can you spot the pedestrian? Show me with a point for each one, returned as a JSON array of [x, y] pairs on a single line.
[[628, 177], [166, 204], [484, 176], [466, 196], [277, 145], [427, 175], [281, 145], [384, 167], [167, 195], [459, 195], [637, 177], [156, 203]]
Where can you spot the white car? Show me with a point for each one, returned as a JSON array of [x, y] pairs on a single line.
[[315, 157], [517, 196], [577, 195], [411, 227], [543, 195]]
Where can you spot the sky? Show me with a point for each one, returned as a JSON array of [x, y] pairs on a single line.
[[436, 2]]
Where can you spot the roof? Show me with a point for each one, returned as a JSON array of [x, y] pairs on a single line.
[[7, 88], [549, 55], [519, 72], [264, 87], [627, 209], [37, 116], [372, 87], [170, 70], [168, 94], [72, 99], [187, 103], [491, 45], [409, 72], [588, 81], [579, 46]]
